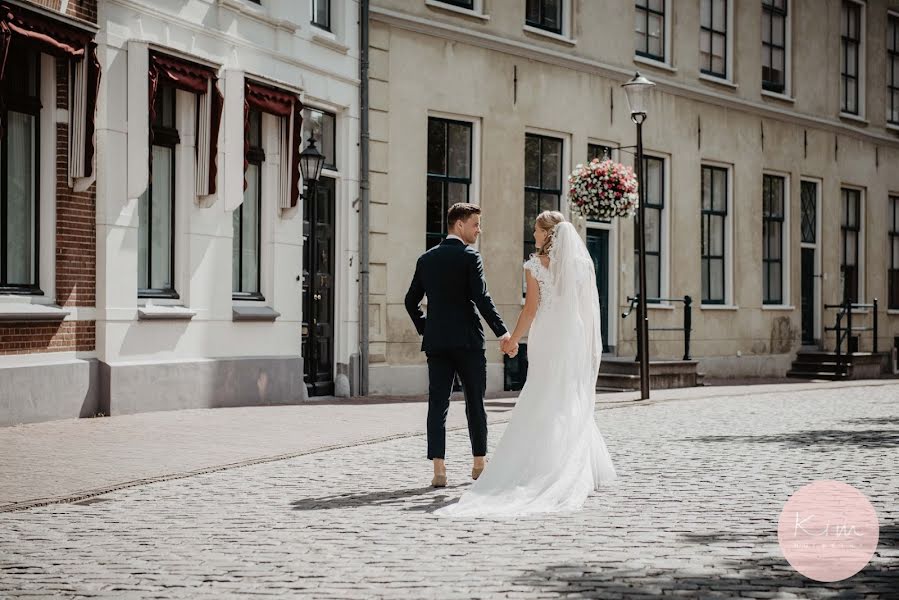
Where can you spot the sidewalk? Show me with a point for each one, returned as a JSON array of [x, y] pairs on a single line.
[[74, 459]]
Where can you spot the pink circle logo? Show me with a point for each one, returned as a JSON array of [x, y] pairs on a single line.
[[828, 531]]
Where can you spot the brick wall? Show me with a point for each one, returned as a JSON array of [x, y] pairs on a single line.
[[21, 337], [80, 9], [75, 238]]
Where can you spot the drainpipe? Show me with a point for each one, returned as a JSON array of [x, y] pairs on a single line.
[[364, 198]]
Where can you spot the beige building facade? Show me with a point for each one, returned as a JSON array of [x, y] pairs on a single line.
[[772, 145]]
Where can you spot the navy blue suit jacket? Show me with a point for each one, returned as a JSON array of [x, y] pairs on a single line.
[[451, 275]]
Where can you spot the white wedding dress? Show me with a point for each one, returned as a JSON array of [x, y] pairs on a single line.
[[551, 455]]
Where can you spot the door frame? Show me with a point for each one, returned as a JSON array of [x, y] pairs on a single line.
[[613, 308], [818, 288]]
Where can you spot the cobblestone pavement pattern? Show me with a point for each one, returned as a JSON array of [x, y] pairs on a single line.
[[694, 514]]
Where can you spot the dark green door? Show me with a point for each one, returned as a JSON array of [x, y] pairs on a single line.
[[598, 245]]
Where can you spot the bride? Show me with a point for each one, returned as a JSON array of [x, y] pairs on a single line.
[[552, 454]]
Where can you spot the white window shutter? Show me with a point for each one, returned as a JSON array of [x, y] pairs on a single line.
[[204, 143], [78, 118]]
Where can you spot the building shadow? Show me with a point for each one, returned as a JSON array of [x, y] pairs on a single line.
[[760, 577], [815, 440]]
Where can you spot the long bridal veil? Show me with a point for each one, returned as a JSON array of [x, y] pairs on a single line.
[[551, 455]]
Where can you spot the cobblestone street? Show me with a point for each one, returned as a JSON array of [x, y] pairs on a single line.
[[694, 514]]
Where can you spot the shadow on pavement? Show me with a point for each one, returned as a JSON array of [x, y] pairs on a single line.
[[757, 577], [819, 439], [381, 498]]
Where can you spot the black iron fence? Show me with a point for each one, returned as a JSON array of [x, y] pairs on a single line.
[[844, 331]]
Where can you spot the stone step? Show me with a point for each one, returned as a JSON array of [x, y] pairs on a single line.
[[816, 375]]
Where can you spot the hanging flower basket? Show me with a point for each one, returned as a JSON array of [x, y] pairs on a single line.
[[602, 190]]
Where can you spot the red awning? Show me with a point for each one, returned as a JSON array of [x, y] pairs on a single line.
[[281, 104], [194, 78], [50, 36]]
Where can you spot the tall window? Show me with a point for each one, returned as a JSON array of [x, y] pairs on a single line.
[[544, 14], [893, 278], [713, 38], [654, 182], [774, 45], [598, 151], [322, 126], [247, 241], [19, 172], [850, 48], [714, 220], [893, 69], [156, 208], [449, 173], [773, 192], [850, 235], [542, 182], [321, 14], [650, 29]]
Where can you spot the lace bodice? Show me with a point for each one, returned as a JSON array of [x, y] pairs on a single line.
[[543, 277]]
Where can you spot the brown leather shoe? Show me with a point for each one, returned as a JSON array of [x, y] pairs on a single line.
[[439, 481], [476, 472]]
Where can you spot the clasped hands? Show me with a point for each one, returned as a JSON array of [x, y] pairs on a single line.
[[508, 346]]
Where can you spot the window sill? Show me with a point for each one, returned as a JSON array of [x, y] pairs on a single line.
[[654, 63], [852, 117], [328, 40], [778, 96], [718, 80], [654, 306], [893, 311], [456, 9], [164, 313], [254, 313], [778, 307], [550, 35], [26, 311], [255, 11], [893, 127], [725, 307]]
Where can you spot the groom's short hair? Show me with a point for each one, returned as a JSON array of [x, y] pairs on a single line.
[[460, 211]]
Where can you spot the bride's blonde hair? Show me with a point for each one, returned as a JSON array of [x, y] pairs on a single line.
[[547, 220]]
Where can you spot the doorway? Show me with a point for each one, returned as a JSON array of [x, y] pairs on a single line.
[[318, 290]]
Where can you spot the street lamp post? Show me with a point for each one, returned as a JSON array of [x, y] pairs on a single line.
[[637, 90], [311, 163]]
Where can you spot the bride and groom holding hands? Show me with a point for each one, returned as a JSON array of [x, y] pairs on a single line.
[[551, 455]]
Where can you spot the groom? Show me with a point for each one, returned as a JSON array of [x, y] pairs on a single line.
[[451, 275]]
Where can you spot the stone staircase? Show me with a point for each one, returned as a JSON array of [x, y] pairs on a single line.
[[817, 364], [623, 374]]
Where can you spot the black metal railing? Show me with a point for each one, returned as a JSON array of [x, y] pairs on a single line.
[[687, 323], [844, 332]]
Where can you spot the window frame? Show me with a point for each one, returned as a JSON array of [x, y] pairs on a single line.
[[463, 4], [663, 234], [784, 259], [315, 22], [845, 191], [859, 76], [784, 13], [893, 67], [893, 271], [307, 131], [433, 238], [167, 137], [705, 216], [712, 33], [540, 190], [645, 54], [256, 157], [541, 22], [32, 106]]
